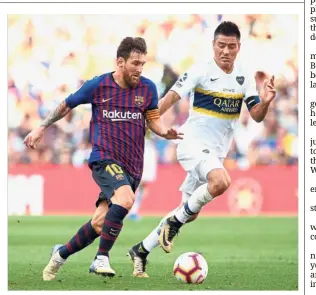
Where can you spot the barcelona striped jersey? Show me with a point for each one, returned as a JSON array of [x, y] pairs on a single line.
[[215, 103], [117, 126]]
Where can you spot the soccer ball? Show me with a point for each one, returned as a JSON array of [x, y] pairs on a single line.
[[190, 268]]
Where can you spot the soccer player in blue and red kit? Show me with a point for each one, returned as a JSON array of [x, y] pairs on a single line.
[[122, 103]]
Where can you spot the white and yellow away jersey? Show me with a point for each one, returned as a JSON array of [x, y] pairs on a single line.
[[215, 103]]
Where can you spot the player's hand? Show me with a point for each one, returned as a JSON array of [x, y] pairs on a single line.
[[172, 134], [267, 91], [34, 137]]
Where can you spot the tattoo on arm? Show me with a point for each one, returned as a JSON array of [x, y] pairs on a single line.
[[61, 111]]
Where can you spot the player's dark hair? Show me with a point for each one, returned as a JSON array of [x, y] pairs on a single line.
[[130, 44], [228, 29]]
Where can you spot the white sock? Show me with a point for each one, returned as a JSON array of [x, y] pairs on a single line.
[[200, 197], [151, 241]]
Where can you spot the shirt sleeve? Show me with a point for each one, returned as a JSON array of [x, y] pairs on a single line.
[[187, 82], [152, 111], [84, 94], [251, 94]]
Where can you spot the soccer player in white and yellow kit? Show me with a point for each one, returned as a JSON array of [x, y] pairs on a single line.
[[217, 90]]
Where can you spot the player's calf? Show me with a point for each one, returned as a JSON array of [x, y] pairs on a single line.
[[218, 182], [84, 237], [193, 217], [111, 228], [98, 217]]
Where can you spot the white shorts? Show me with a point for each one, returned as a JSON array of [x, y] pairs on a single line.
[[150, 162], [197, 160]]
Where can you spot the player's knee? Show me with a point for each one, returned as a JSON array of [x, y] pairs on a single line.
[[193, 217], [128, 202], [124, 197]]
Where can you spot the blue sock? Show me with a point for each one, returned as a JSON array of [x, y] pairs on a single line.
[[84, 237], [111, 229]]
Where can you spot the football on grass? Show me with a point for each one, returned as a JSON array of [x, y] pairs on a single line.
[[190, 268]]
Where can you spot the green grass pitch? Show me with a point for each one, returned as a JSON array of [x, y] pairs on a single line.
[[243, 253]]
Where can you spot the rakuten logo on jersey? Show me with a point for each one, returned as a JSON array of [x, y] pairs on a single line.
[[121, 116]]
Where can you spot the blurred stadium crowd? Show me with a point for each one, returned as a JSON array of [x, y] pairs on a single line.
[[49, 57]]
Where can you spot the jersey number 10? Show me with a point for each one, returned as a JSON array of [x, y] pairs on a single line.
[[114, 169]]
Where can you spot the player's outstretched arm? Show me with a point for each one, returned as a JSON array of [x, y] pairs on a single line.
[[81, 96], [168, 101], [61, 111], [157, 127], [267, 94], [35, 136]]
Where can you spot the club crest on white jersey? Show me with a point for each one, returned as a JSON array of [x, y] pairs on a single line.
[[216, 99]]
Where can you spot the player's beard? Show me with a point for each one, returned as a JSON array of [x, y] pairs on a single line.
[[130, 80]]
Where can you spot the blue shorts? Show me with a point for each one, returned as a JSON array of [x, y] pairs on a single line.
[[109, 176]]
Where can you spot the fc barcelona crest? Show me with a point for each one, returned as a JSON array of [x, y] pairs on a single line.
[[139, 100]]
